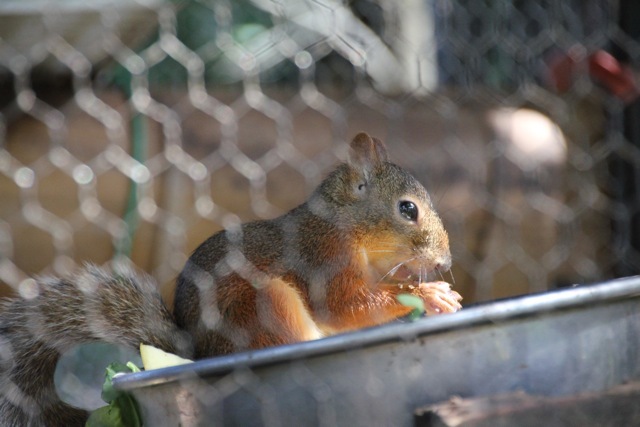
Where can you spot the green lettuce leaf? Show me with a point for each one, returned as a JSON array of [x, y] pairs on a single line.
[[122, 409]]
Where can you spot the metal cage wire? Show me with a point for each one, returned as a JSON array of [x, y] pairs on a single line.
[[136, 116], [131, 131]]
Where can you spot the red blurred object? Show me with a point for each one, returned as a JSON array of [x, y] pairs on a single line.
[[618, 78], [603, 67], [563, 67]]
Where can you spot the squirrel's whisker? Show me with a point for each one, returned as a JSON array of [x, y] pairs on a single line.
[[394, 269]]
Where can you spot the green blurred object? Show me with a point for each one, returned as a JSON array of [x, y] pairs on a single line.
[[413, 301], [122, 410]]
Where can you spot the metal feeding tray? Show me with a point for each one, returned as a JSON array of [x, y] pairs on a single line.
[[577, 340]]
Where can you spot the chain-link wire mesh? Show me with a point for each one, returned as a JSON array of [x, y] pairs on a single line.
[[136, 131], [131, 131]]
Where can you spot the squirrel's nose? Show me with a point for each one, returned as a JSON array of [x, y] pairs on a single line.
[[443, 264]]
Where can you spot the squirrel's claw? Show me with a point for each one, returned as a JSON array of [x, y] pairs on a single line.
[[439, 298]]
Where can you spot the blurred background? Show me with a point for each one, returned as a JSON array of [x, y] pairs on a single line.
[[132, 130]]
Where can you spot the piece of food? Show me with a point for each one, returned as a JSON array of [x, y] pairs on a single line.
[[154, 358], [414, 302], [122, 409]]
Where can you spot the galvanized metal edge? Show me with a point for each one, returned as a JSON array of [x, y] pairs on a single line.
[[493, 312]]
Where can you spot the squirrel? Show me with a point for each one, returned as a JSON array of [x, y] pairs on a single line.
[[335, 263], [320, 268]]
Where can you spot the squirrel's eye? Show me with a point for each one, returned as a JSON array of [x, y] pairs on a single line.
[[409, 210]]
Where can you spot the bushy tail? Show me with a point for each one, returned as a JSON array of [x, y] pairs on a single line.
[[57, 314]]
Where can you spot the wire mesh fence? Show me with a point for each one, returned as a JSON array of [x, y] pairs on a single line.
[[131, 131], [135, 131]]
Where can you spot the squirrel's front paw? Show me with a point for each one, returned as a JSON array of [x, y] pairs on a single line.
[[439, 298]]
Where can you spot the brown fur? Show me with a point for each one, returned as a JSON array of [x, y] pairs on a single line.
[[95, 305]]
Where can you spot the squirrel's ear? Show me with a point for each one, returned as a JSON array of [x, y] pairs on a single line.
[[366, 152]]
